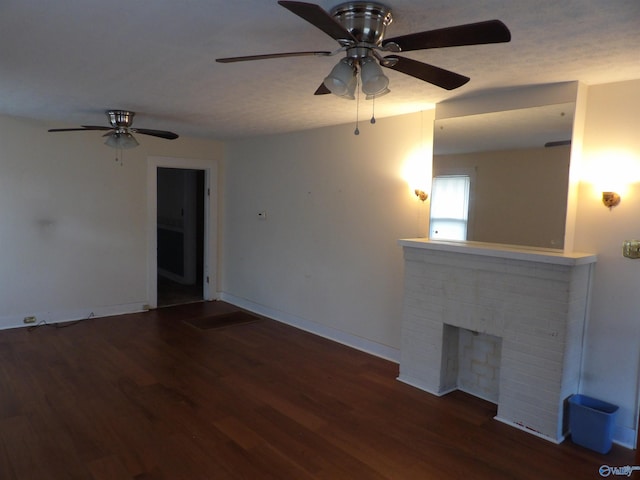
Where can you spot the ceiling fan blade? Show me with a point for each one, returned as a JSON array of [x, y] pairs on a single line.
[[155, 133], [272, 55], [319, 18], [423, 71], [490, 31], [84, 127], [67, 129], [96, 127], [322, 90]]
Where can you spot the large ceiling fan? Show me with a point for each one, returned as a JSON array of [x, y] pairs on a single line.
[[359, 28], [119, 134]]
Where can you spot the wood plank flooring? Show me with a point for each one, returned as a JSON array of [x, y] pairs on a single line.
[[147, 396]]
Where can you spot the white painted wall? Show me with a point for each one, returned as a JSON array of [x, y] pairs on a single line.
[[612, 353], [326, 257], [73, 221]]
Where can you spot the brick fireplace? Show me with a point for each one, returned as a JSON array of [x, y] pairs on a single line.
[[501, 322]]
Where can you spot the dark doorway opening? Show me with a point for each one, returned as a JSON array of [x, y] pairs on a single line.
[[180, 235]]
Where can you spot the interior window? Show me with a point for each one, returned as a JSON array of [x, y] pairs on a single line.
[[449, 207]]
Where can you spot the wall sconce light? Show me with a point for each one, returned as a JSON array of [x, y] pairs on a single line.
[[610, 199], [421, 194]]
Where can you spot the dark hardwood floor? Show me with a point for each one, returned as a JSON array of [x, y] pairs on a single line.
[[148, 396]]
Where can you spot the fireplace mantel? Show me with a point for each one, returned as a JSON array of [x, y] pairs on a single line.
[[514, 252], [535, 301]]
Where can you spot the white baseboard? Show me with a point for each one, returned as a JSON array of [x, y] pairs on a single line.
[[624, 436], [359, 343], [15, 321], [478, 395], [557, 441], [421, 386]]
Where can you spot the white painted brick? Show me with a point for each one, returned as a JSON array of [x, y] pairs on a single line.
[[537, 310], [482, 369], [489, 385]]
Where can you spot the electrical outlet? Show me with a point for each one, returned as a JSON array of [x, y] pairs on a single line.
[[29, 319], [631, 248]]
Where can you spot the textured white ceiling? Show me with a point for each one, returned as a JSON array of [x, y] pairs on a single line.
[[68, 61]]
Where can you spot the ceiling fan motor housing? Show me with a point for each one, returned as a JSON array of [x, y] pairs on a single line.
[[120, 118], [366, 21]]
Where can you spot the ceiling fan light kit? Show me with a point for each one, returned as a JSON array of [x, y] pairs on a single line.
[[378, 95], [121, 140], [373, 80], [342, 80]]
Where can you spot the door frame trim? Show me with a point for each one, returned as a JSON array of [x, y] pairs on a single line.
[[210, 267]]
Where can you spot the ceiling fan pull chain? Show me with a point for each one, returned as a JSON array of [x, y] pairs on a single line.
[[357, 130], [373, 110], [120, 153]]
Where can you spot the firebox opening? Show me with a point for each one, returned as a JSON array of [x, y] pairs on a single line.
[[471, 362]]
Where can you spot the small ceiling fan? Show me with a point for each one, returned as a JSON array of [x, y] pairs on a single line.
[[359, 28], [119, 134]]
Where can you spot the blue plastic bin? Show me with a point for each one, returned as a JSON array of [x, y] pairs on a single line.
[[591, 422]]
